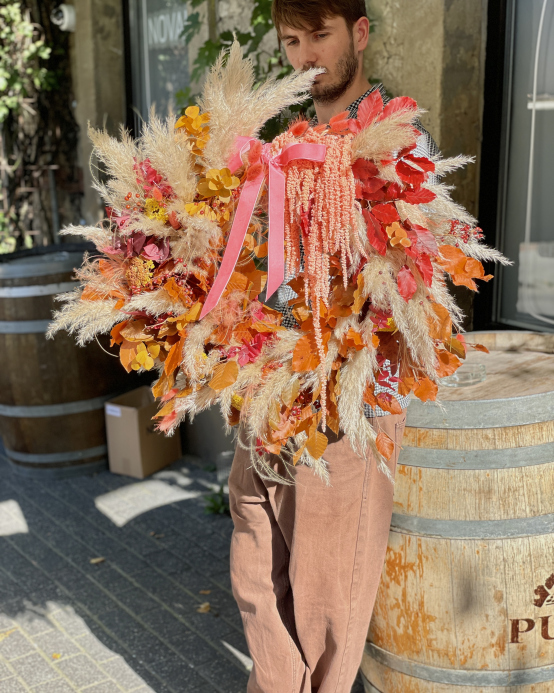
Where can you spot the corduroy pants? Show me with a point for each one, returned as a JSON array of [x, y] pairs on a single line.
[[306, 561]]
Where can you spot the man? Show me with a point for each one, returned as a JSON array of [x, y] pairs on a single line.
[[306, 558]]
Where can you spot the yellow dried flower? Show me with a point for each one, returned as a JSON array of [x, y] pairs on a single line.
[[195, 125], [139, 273], [200, 209], [153, 210], [218, 182], [237, 401]]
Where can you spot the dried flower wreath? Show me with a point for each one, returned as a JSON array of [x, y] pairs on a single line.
[[195, 206]]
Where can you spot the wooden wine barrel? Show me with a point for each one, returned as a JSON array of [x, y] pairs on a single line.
[[466, 600], [52, 392]]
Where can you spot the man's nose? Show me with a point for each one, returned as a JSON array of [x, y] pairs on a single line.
[[307, 56]]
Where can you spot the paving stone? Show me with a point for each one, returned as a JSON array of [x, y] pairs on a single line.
[[56, 643], [15, 644], [33, 669], [55, 686], [219, 671], [120, 672], [93, 598], [105, 687], [70, 621], [179, 675], [112, 580], [81, 670], [195, 650], [5, 672], [13, 686], [6, 623], [137, 600], [100, 648], [32, 623]]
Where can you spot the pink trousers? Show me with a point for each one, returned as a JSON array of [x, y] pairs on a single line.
[[305, 565]]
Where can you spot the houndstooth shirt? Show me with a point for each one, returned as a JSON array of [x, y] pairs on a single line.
[[427, 147]]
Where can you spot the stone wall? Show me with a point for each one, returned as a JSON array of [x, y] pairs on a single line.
[[97, 57], [434, 51]]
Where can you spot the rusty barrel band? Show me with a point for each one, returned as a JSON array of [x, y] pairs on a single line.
[[506, 458], [23, 326], [45, 410], [36, 290], [56, 457], [473, 529], [485, 413], [460, 677]]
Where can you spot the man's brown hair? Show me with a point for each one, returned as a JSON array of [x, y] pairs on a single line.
[[311, 14]]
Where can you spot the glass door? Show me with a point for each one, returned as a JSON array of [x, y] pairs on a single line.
[[159, 56], [525, 295]]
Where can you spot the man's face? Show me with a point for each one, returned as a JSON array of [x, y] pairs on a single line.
[[332, 47]]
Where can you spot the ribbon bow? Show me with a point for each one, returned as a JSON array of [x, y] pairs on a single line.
[[276, 208]]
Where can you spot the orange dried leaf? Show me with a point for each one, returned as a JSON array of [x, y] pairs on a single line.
[[166, 409], [135, 331], [389, 403], [127, 354], [426, 389], [237, 282], [290, 393], [225, 374], [480, 347], [317, 444], [369, 395], [304, 356], [298, 454], [116, 333], [194, 312], [441, 328], [163, 385], [448, 363], [385, 445], [174, 357], [359, 300]]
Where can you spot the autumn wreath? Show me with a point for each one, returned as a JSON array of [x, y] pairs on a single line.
[[203, 218]]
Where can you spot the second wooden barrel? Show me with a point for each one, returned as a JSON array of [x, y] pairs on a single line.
[[466, 600], [52, 392]]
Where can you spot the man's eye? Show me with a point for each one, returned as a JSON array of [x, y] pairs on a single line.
[[292, 43], [321, 35]]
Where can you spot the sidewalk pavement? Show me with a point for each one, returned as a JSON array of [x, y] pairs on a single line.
[[110, 584]]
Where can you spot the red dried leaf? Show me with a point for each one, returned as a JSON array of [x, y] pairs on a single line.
[[418, 197], [385, 445], [386, 213], [339, 122], [370, 108], [409, 174], [407, 284], [422, 161], [364, 169], [425, 267], [375, 233], [299, 128], [394, 192], [371, 186], [401, 103], [426, 242]]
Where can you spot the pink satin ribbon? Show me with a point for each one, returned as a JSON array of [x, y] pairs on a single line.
[[276, 209]]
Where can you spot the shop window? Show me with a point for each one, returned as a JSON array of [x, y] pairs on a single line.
[[159, 56]]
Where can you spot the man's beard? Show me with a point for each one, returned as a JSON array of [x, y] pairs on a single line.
[[347, 68]]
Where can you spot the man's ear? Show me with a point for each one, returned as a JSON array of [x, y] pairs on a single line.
[[360, 33]]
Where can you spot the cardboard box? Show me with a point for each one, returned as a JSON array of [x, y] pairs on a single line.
[[135, 448]]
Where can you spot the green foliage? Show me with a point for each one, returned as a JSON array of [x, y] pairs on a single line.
[[217, 503], [266, 62], [22, 73]]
